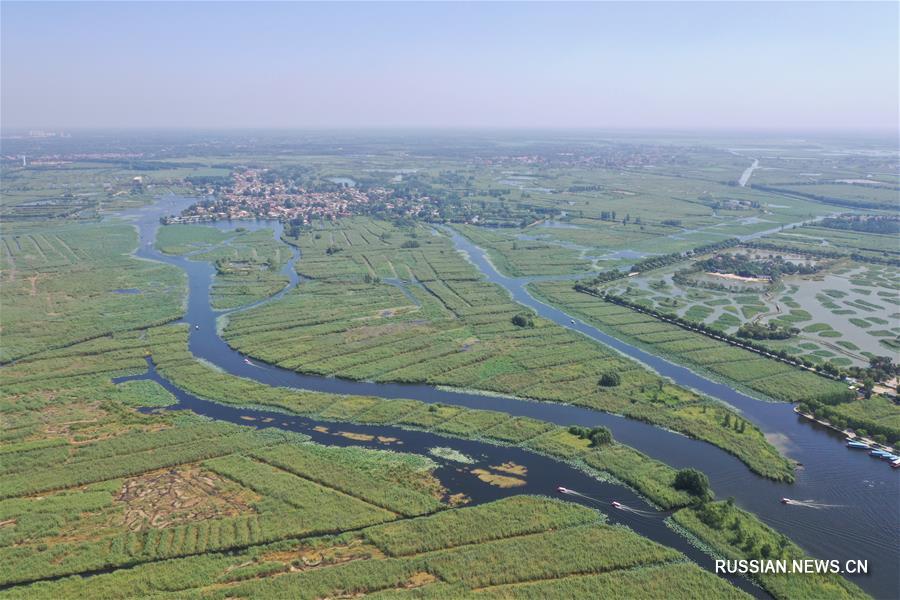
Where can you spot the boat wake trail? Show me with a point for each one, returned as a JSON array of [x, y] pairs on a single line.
[[635, 511], [569, 492], [812, 504], [614, 503]]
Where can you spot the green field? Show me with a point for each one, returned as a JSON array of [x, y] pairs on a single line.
[[93, 485], [446, 326], [821, 239], [484, 552], [84, 189], [750, 370], [64, 283], [652, 478], [248, 263], [736, 534], [99, 499]]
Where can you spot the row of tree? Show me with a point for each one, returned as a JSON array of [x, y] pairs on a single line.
[[867, 258], [884, 224], [744, 265], [767, 331], [881, 433], [655, 262], [824, 369], [825, 199]]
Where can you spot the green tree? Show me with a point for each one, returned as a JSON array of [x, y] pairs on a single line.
[[598, 436], [868, 386], [610, 379], [693, 482], [523, 320]]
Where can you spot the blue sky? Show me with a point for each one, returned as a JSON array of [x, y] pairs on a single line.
[[729, 66]]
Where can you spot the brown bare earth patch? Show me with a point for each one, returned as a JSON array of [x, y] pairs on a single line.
[[397, 310], [188, 493], [459, 499], [309, 557], [358, 437], [85, 422], [33, 283], [511, 468], [419, 579], [59, 419], [495, 479], [369, 331]]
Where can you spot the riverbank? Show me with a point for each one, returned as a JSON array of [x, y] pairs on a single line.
[[460, 333], [849, 433], [169, 350], [559, 444], [727, 475]]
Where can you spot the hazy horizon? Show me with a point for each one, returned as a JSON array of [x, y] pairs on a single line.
[[785, 68]]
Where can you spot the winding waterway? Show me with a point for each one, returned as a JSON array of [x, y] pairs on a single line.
[[542, 476], [861, 522]]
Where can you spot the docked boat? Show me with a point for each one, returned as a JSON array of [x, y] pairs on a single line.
[[857, 445], [895, 464], [880, 454]]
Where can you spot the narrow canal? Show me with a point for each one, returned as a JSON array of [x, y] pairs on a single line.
[[542, 475], [863, 515]]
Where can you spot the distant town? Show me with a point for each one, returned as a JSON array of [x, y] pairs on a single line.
[[254, 194]]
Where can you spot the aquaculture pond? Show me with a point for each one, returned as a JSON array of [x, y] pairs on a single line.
[[843, 312], [862, 513]]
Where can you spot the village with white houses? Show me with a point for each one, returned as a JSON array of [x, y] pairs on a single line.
[[252, 195]]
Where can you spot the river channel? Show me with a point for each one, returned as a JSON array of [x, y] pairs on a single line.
[[860, 514]]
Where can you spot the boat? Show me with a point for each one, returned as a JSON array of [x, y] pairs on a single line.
[[573, 321], [786, 501], [196, 327], [857, 445], [247, 361], [562, 490], [617, 504]]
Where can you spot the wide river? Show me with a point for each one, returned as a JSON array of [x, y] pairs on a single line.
[[858, 515]]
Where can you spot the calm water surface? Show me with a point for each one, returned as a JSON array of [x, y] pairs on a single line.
[[862, 522]]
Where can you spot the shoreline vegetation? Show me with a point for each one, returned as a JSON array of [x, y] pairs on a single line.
[[448, 554], [734, 341], [247, 262], [851, 435], [106, 493], [168, 348], [460, 332], [736, 534], [651, 478], [643, 329]]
